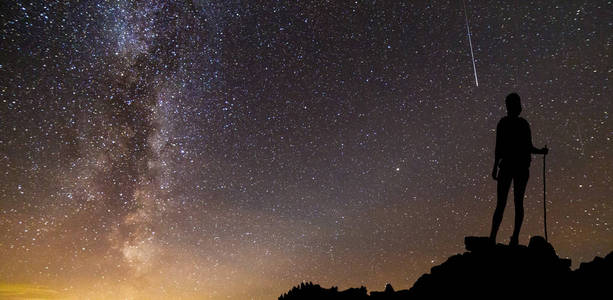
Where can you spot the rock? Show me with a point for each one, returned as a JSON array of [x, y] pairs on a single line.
[[538, 243], [477, 243], [489, 271]]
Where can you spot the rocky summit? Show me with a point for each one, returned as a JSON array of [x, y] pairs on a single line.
[[489, 270]]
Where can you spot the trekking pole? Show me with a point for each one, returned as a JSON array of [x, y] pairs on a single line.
[[544, 197]]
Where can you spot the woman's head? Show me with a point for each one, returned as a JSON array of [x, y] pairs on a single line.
[[513, 103]]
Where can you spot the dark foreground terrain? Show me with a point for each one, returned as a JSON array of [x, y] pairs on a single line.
[[491, 271]]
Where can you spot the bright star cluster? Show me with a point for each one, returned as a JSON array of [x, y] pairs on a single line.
[[232, 149]]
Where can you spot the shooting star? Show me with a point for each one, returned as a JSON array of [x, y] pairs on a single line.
[[471, 44]]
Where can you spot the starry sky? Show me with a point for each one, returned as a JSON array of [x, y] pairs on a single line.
[[232, 149]]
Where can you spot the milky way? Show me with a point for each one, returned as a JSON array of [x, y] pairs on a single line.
[[232, 149]]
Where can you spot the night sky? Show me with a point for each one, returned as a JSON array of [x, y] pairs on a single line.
[[232, 149]]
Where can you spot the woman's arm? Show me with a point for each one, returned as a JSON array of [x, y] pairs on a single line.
[[533, 149], [497, 151]]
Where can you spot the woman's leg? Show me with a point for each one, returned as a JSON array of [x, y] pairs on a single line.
[[520, 180], [504, 183]]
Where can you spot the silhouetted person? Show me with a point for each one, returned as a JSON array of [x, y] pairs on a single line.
[[512, 156]]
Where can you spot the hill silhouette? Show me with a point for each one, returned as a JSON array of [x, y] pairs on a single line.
[[490, 271]]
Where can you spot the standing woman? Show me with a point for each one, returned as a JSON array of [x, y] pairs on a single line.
[[512, 163]]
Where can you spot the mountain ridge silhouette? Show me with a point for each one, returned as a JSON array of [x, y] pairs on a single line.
[[489, 270]]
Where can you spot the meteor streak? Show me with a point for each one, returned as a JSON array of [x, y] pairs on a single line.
[[471, 44]]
